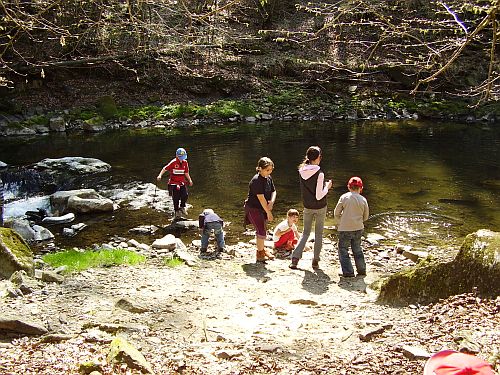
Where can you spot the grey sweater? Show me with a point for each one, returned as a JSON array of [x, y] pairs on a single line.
[[351, 211]]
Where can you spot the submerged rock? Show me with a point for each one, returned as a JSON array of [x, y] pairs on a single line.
[[475, 268]]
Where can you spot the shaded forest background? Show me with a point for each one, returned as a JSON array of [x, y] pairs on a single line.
[[62, 53]]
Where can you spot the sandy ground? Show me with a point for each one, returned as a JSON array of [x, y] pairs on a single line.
[[233, 316]]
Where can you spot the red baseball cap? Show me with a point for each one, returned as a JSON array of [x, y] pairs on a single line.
[[355, 182], [449, 362]]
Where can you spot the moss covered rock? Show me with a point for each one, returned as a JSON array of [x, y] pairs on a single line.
[[106, 106], [15, 254], [475, 268]]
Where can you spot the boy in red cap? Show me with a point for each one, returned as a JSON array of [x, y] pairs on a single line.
[[178, 169], [351, 211], [449, 362]]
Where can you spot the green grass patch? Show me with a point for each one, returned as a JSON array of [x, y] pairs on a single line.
[[173, 262], [81, 260]]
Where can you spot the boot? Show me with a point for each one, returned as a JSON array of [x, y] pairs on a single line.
[[261, 256], [294, 264]]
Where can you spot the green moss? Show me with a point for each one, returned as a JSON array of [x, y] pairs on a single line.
[[81, 260], [12, 241], [287, 97], [476, 267], [173, 262], [36, 120], [97, 120], [107, 107]]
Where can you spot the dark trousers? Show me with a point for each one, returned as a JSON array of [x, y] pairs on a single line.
[[179, 195]]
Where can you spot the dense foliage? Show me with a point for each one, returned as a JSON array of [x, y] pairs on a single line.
[[411, 45]]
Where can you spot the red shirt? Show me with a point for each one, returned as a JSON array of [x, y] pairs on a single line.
[[177, 170]]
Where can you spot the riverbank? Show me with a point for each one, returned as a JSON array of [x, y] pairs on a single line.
[[95, 111], [232, 316]]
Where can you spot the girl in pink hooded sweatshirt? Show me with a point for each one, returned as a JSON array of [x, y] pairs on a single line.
[[313, 189]]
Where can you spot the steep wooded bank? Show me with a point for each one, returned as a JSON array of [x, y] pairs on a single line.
[[64, 54]]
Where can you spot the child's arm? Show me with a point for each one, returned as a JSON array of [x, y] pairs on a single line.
[[338, 209], [265, 206], [273, 199], [296, 232], [279, 233], [163, 170], [188, 177]]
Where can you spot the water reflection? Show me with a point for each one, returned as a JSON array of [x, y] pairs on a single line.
[[427, 173]]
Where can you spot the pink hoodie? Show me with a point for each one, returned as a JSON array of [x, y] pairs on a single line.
[[309, 170]]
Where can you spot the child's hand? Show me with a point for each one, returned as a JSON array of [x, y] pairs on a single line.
[[158, 177]]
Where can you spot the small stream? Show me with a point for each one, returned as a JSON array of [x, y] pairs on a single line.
[[426, 183]]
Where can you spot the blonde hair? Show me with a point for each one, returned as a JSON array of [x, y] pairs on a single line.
[[312, 154], [292, 212], [263, 163]]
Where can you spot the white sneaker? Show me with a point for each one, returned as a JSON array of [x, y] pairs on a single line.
[[184, 211]]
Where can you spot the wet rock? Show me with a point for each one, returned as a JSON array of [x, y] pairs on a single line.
[[57, 124], [144, 229], [30, 232], [77, 165], [93, 203], [168, 242], [59, 219]]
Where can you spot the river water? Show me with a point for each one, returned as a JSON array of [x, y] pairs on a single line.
[[425, 182]]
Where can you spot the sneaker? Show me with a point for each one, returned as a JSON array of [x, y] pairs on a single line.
[[177, 215], [294, 264], [315, 264], [184, 211], [346, 274]]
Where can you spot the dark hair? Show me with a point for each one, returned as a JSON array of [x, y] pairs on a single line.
[[312, 153], [292, 212], [263, 163]]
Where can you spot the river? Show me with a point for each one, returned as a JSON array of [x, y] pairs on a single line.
[[423, 181]]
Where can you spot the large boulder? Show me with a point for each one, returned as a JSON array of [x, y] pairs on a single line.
[[74, 164], [475, 268], [80, 201], [15, 254]]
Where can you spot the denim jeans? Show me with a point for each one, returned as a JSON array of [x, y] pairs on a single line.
[[353, 239], [309, 215], [219, 234]]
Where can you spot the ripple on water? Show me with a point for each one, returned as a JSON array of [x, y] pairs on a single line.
[[418, 229]]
